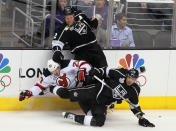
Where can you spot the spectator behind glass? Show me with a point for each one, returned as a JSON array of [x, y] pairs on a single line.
[[115, 9], [100, 33], [102, 9], [121, 34], [156, 12], [83, 3], [59, 15]]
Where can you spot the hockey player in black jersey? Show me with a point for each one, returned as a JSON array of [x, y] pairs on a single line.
[[77, 33], [95, 98]]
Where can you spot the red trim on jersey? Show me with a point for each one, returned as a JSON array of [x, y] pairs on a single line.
[[83, 63], [41, 79], [41, 87], [81, 76], [76, 63]]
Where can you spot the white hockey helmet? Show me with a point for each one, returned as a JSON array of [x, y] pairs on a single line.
[[51, 65]]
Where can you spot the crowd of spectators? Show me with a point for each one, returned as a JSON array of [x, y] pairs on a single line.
[[152, 16]]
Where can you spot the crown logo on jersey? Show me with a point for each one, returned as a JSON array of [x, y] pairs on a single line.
[[131, 61], [4, 68]]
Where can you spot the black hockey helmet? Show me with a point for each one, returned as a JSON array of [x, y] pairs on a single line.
[[68, 10], [133, 73]]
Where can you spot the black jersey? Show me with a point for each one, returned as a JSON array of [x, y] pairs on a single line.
[[116, 78], [76, 36]]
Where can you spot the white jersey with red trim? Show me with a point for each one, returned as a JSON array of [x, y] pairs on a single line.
[[67, 78]]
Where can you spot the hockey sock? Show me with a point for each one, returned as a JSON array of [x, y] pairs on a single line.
[[84, 120], [87, 120], [79, 119]]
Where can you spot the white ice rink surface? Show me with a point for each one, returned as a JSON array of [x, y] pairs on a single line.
[[123, 120]]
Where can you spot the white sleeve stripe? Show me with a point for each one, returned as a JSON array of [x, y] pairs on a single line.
[[132, 107], [120, 73], [66, 28], [97, 70], [107, 71], [135, 90], [83, 45], [102, 86], [78, 14], [81, 88], [137, 114], [57, 43], [102, 71]]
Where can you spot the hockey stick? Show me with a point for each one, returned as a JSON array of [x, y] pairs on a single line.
[[135, 107]]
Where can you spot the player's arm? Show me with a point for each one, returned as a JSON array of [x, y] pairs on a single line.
[[137, 109], [39, 87], [58, 44], [92, 23], [33, 91], [139, 114], [114, 73], [60, 91]]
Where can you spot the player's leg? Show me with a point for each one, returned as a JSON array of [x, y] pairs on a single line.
[[93, 55], [99, 115], [98, 118]]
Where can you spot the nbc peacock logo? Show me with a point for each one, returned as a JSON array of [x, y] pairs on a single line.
[[133, 61], [5, 79]]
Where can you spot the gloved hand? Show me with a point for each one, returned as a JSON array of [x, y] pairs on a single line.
[[144, 122], [57, 56], [25, 95], [142, 69], [95, 71], [89, 80], [81, 75], [76, 11]]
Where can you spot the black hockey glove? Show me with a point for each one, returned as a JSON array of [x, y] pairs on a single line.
[[144, 122], [76, 13], [142, 69], [57, 56], [25, 95], [89, 79], [81, 75], [95, 71]]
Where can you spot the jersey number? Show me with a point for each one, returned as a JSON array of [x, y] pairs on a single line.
[[76, 64]]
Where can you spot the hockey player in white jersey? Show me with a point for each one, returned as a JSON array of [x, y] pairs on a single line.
[[59, 76]]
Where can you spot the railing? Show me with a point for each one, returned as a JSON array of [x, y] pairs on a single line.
[[35, 15], [1, 5], [32, 26]]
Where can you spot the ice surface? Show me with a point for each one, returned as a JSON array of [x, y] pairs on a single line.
[[119, 120]]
